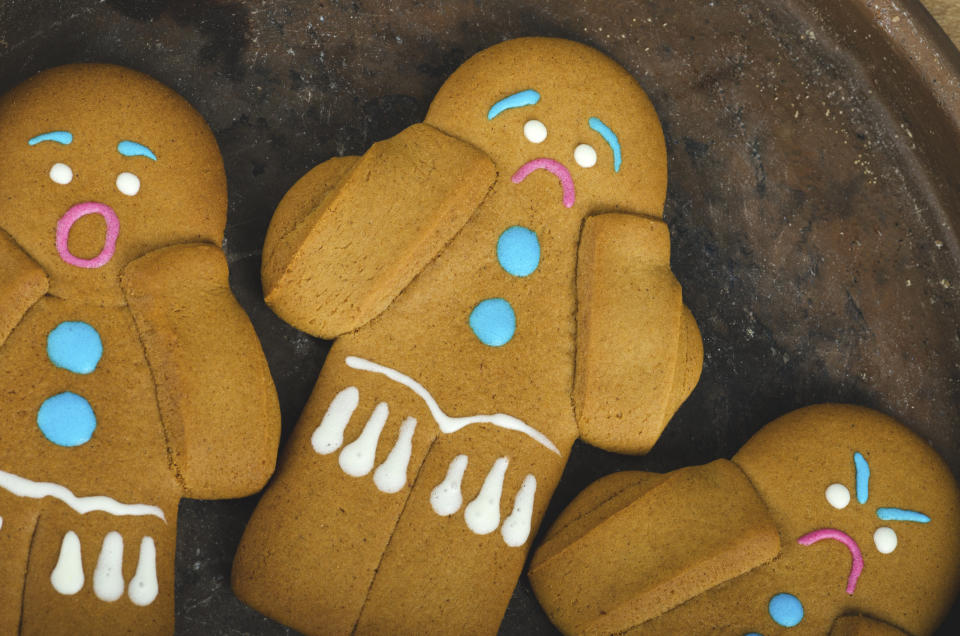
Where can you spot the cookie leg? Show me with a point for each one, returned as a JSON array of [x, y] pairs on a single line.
[[17, 522], [454, 559]]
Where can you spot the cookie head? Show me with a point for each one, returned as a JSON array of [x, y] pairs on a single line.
[[868, 513], [100, 164], [570, 128]]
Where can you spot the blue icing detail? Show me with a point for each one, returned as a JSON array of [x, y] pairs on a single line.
[[517, 100], [518, 251], [786, 610], [753, 634], [863, 477], [66, 419], [493, 322], [899, 514], [133, 149], [611, 138], [59, 136], [74, 346]]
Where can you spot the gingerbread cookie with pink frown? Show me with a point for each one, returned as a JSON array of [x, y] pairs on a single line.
[[131, 377], [498, 283], [832, 519]]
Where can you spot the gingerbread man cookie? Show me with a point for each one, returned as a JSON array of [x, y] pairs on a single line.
[[832, 519], [131, 376], [497, 280]]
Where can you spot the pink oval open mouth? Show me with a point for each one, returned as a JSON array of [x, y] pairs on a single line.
[[554, 167], [65, 224], [856, 567]]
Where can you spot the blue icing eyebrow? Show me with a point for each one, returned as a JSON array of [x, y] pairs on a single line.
[[899, 514], [133, 149], [528, 97], [611, 138], [863, 477], [59, 136]]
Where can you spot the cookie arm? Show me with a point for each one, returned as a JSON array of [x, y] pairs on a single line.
[[353, 233], [639, 352], [217, 401], [863, 626], [22, 284]]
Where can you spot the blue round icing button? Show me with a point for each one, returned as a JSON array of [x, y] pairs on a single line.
[[493, 322], [518, 251], [66, 419], [786, 610], [74, 346]]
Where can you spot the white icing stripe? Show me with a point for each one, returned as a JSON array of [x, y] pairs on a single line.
[[67, 577], [483, 513], [329, 435], [108, 575], [446, 423], [23, 487], [1, 522], [516, 527], [356, 458], [391, 476], [446, 498], [143, 587]]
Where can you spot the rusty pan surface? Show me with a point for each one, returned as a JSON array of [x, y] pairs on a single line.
[[813, 200]]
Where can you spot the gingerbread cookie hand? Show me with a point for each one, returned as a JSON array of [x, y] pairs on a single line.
[[124, 345], [447, 257]]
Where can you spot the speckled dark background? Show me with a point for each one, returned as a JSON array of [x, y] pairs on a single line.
[[813, 171]]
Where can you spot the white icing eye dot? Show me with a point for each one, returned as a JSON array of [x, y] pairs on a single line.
[[128, 183], [535, 131], [585, 156], [885, 539], [61, 173], [838, 496]]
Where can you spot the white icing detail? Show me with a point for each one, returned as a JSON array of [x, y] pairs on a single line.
[[356, 458], [446, 498], [143, 586], [516, 527], [128, 183], [329, 435], [61, 173], [446, 423], [108, 575], [1, 522], [585, 156], [67, 577], [837, 496], [885, 539], [535, 131], [391, 475], [483, 513], [23, 487]]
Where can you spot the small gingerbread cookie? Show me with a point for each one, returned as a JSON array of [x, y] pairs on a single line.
[[131, 376], [498, 282], [832, 519]]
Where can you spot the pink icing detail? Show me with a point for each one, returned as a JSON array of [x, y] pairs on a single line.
[[554, 167], [838, 535], [65, 224]]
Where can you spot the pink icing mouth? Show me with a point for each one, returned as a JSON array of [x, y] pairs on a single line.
[[554, 167], [837, 535], [65, 224]]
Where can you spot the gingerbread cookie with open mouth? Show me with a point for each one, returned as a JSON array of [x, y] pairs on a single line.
[[497, 279]]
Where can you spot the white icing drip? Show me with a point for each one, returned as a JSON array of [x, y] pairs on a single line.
[[447, 423], [329, 435], [23, 487], [108, 575], [143, 586], [67, 577], [391, 475], [516, 527], [446, 498], [356, 458], [483, 513]]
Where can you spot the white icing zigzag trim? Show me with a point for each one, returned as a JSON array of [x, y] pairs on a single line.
[[446, 423], [23, 487]]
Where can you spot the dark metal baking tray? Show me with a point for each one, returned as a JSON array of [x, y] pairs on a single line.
[[813, 200]]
